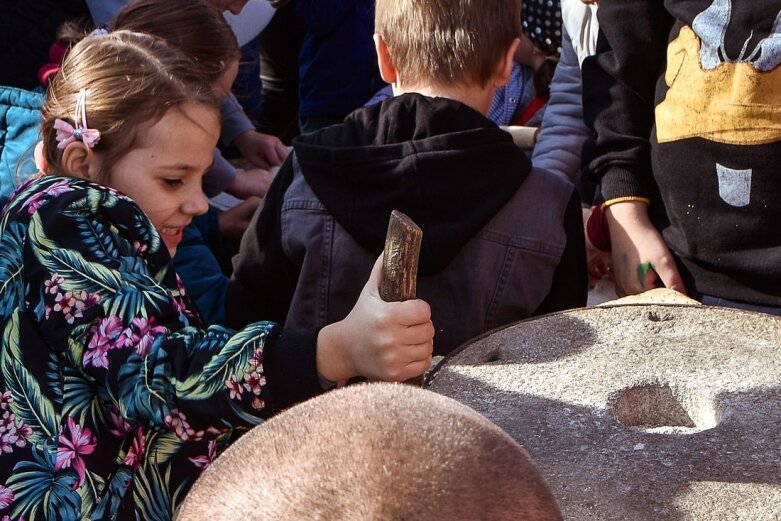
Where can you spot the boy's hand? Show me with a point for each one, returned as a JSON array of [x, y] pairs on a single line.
[[262, 150], [250, 183], [640, 256], [390, 341]]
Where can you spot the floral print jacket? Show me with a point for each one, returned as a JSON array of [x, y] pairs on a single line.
[[113, 397]]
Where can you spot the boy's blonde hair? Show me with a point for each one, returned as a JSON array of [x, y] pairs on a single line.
[[447, 42], [130, 81], [374, 452]]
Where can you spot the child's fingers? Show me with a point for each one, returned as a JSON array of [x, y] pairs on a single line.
[[375, 277], [282, 151], [419, 352], [411, 312], [414, 369], [668, 273], [417, 334]]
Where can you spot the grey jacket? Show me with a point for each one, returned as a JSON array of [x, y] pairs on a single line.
[[502, 275]]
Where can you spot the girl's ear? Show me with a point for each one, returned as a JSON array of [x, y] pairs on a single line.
[[505, 67], [387, 69], [78, 160]]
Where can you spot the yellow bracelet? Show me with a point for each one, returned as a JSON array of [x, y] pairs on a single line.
[[627, 199]]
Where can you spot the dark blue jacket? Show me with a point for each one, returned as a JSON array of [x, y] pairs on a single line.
[[337, 64], [20, 118]]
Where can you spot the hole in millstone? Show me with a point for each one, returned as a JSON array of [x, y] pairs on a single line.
[[493, 356], [651, 406], [653, 316]]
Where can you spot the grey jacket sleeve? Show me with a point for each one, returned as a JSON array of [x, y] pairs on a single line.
[[563, 133], [234, 120]]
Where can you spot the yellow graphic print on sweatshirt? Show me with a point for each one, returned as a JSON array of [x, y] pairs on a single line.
[[733, 101]]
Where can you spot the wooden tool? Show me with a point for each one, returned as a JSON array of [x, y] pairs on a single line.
[[400, 263]]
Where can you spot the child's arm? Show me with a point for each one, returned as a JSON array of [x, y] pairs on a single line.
[[619, 85], [640, 255], [111, 303], [563, 132], [569, 287], [262, 150], [264, 279]]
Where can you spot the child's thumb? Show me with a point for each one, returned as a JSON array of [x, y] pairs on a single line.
[[375, 278]]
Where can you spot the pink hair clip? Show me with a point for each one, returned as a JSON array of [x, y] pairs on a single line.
[[67, 134]]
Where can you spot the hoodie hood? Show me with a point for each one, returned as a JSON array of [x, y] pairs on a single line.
[[442, 163]]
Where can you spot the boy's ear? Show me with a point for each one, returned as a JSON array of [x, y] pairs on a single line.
[[505, 67], [77, 158], [387, 69]]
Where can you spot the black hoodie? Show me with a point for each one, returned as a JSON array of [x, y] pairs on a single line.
[[437, 160]]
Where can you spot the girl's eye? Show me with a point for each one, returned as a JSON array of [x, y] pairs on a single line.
[[173, 183]]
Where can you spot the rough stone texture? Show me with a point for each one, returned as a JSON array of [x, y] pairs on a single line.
[[638, 412], [654, 296]]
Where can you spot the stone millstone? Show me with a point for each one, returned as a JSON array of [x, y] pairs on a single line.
[[649, 412]]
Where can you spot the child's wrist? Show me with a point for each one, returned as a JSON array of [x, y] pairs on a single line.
[[332, 363]]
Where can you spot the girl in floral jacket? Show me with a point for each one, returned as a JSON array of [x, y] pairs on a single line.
[[113, 397]]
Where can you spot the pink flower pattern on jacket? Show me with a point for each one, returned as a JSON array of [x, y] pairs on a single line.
[[135, 453], [6, 496], [204, 461], [13, 433], [104, 337], [40, 198], [143, 334], [87, 413], [74, 444]]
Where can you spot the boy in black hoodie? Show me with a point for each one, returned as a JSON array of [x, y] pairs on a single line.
[[501, 241]]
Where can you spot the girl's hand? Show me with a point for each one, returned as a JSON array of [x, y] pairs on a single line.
[[261, 150], [640, 256], [390, 341]]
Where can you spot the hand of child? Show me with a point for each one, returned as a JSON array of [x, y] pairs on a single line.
[[640, 256], [261, 150], [390, 341], [234, 222], [250, 183]]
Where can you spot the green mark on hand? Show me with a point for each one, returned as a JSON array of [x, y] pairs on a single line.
[[642, 271]]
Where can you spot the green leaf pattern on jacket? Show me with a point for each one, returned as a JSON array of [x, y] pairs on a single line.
[[113, 397]]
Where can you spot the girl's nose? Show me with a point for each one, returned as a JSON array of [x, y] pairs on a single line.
[[196, 203]]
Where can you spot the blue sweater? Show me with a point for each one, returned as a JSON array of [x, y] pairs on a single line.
[[337, 64]]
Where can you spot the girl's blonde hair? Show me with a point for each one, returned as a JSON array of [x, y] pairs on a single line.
[[195, 27], [130, 80]]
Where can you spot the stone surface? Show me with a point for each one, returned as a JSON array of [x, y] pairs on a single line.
[[644, 412], [654, 296]]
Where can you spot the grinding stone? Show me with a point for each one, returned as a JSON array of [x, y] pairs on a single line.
[[640, 412]]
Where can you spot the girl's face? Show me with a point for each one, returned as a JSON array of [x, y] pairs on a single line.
[[528, 54], [163, 172]]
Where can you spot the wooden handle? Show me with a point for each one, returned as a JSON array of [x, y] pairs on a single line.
[[400, 263]]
